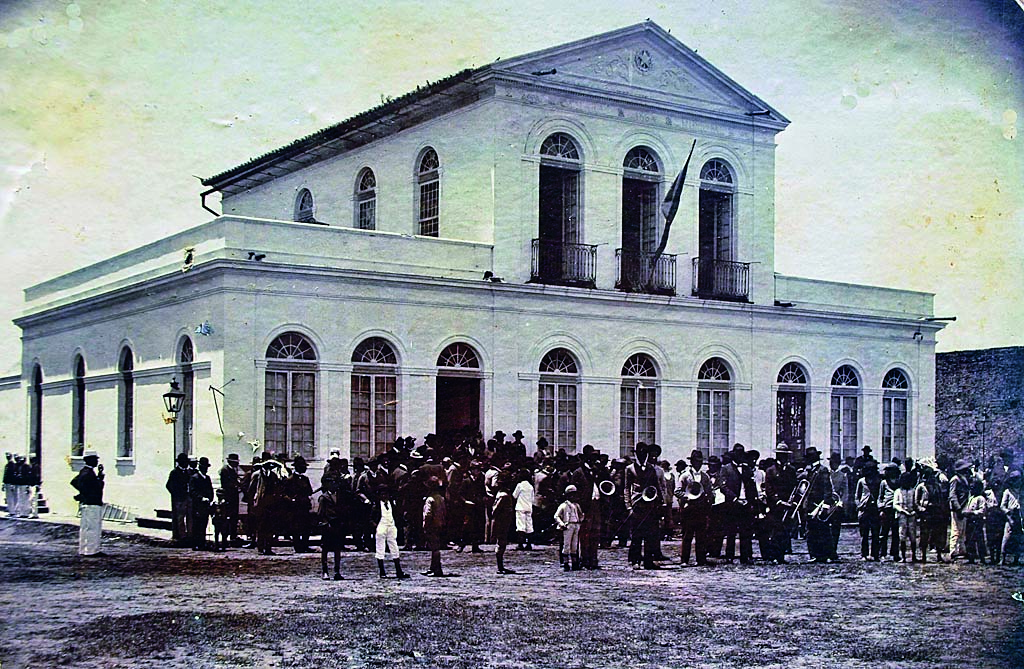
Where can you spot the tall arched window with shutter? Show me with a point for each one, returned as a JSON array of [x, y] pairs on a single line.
[[895, 414], [126, 404], [35, 418], [845, 413], [559, 256], [557, 399], [374, 417], [714, 391], [366, 200], [183, 427], [638, 403], [78, 409], [289, 424], [428, 193], [791, 407]]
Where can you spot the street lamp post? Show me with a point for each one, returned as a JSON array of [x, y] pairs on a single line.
[[173, 400]]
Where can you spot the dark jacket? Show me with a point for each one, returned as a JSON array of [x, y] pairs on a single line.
[[177, 483], [89, 485], [200, 489]]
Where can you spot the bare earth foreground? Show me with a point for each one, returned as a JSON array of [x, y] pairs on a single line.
[[145, 605]]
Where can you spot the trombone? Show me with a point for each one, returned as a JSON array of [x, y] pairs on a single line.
[[796, 499]]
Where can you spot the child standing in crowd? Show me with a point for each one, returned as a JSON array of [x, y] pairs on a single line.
[[383, 518], [221, 525], [903, 503], [524, 496], [568, 517], [502, 516], [974, 515], [329, 513]]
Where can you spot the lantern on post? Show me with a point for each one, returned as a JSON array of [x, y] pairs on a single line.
[[173, 400]]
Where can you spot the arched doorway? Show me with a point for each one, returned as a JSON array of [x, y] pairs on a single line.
[[458, 391]]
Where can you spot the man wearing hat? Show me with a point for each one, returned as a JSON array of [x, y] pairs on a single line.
[[867, 496], [779, 483], [694, 495], [89, 484], [644, 500], [181, 503], [299, 490], [200, 490], [585, 479], [229, 483], [434, 522], [959, 495], [22, 482], [819, 492], [839, 474], [384, 520]]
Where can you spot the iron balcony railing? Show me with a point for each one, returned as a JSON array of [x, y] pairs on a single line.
[[563, 264], [638, 272], [721, 279]]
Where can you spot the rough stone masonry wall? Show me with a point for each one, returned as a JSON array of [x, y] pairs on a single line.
[[979, 403]]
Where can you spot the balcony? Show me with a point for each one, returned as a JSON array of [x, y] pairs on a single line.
[[721, 280], [563, 264], [634, 273]]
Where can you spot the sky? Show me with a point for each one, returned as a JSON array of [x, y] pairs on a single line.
[[903, 165]]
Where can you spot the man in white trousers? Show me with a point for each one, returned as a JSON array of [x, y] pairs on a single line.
[[89, 484]]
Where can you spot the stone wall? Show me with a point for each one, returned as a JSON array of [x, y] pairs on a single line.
[[979, 402]]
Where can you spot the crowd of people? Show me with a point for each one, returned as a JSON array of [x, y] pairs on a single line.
[[462, 493]]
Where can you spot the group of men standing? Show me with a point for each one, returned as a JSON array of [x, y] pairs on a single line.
[[20, 478]]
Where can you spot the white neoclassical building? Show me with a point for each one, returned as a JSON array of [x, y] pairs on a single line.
[[480, 252]]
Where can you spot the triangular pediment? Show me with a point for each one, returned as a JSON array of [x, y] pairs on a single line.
[[641, 61]]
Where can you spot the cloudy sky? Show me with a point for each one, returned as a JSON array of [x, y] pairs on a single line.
[[903, 165]]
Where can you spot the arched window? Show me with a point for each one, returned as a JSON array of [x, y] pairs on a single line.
[[557, 399], [366, 200], [895, 414], [791, 407], [558, 256], [374, 420], [304, 207], [126, 405], [641, 180], [290, 405], [716, 238], [35, 433], [183, 427], [845, 415], [428, 193], [78, 409], [458, 355], [638, 403], [714, 385]]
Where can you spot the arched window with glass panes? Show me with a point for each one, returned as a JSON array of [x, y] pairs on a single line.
[[845, 413], [366, 200], [714, 396], [289, 416], [638, 403], [428, 193], [559, 217], [791, 407], [895, 414], [183, 427], [304, 207], [78, 409], [557, 399], [126, 404], [374, 417]]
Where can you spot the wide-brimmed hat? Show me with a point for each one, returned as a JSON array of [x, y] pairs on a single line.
[[696, 455], [204, 461], [570, 489], [1015, 474], [962, 464], [783, 447], [232, 457], [714, 460], [518, 434], [811, 454], [91, 453]]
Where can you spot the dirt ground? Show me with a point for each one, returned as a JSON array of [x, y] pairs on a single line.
[[146, 605]]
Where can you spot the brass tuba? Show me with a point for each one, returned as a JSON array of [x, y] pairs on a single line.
[[650, 494], [606, 487], [826, 508]]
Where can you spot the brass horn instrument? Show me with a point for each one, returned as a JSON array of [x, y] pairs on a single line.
[[796, 499], [650, 494], [826, 508], [606, 487]]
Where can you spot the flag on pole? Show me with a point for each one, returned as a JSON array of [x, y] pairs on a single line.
[[671, 205]]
